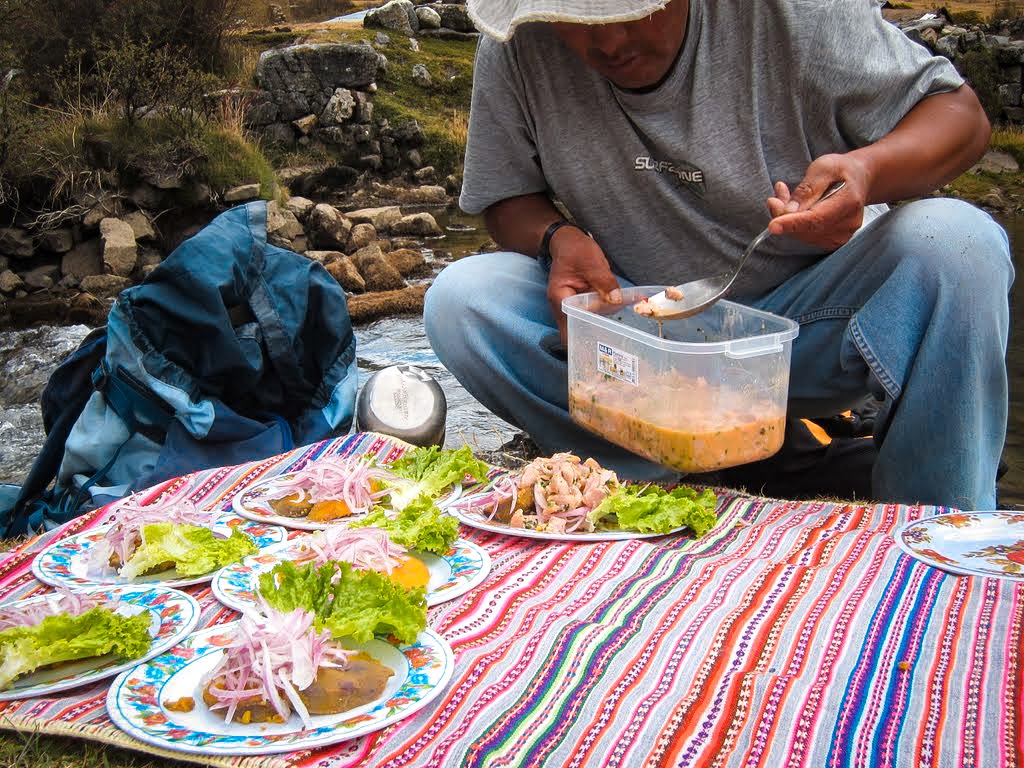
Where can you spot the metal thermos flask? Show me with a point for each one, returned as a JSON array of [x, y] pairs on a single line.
[[403, 401]]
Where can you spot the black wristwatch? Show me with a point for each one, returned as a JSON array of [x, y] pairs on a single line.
[[544, 252]]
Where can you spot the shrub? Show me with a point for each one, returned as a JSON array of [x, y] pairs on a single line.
[[981, 70]]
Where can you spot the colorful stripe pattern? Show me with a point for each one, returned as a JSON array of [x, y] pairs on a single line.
[[794, 634]]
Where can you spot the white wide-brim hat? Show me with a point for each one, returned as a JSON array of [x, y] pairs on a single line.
[[499, 18]]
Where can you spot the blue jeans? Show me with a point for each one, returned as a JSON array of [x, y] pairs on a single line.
[[914, 309]]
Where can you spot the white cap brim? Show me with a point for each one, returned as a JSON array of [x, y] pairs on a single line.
[[499, 18]]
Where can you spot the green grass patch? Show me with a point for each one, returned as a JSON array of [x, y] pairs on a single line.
[[1009, 139]]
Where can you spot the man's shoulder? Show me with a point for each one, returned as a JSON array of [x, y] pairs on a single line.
[[531, 45]]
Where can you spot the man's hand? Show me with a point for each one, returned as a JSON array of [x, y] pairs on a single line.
[[578, 265], [832, 223]]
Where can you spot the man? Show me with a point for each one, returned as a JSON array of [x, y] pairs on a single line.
[[672, 132]]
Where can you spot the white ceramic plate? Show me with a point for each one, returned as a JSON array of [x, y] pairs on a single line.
[[474, 509], [65, 563], [968, 543], [461, 569], [253, 505], [173, 615], [136, 699]]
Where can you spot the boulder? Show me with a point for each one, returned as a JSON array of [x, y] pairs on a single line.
[[339, 108], [381, 218], [429, 194], [996, 161], [408, 262], [371, 306], [381, 40], [42, 278], [141, 225], [455, 17], [105, 286], [305, 125], [142, 195], [362, 235], [428, 18], [418, 224], [120, 252], [301, 79], [300, 207], [99, 206], [84, 260], [378, 272], [323, 257], [421, 76], [344, 271], [426, 175], [10, 282], [59, 240], [243, 193], [15, 242], [399, 15], [282, 224], [328, 229]]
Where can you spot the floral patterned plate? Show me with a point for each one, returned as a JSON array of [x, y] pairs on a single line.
[[461, 569], [65, 563], [136, 700], [252, 504], [173, 615], [968, 543]]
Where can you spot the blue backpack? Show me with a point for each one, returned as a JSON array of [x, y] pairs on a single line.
[[232, 350]]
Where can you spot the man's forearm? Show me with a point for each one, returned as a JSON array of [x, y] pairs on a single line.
[[937, 141], [518, 223]]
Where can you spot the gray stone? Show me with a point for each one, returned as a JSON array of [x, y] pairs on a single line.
[[421, 76], [141, 225], [929, 37], [344, 271], [429, 194], [1016, 114], [408, 133], [371, 162], [300, 207], [42, 278], [100, 205], [105, 286], [83, 260], [414, 45], [995, 161], [15, 242], [399, 15], [378, 272], [364, 108], [381, 218], [450, 34], [59, 240], [362, 235], [428, 19], [1009, 94], [300, 79], [305, 125], [243, 193], [279, 134], [418, 224], [425, 175], [455, 17], [10, 282], [948, 46], [149, 259], [283, 226], [381, 40], [1010, 74], [1011, 53], [409, 262], [339, 108], [120, 253], [328, 229], [142, 196], [414, 158]]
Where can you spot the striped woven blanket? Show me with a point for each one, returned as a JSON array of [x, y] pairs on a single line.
[[794, 634]]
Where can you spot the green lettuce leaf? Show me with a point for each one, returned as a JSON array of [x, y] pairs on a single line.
[[430, 471], [193, 550], [420, 526], [652, 509], [359, 605], [61, 638]]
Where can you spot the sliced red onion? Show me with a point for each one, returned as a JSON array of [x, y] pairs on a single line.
[[63, 602], [334, 478], [368, 549]]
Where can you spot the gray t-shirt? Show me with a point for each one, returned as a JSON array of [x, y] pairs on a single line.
[[672, 183]]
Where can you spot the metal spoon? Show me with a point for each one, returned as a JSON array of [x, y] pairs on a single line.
[[698, 295]]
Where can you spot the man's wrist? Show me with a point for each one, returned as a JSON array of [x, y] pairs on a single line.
[[544, 251]]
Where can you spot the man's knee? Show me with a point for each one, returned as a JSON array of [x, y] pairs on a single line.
[[953, 243]]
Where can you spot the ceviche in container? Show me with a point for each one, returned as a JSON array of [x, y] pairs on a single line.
[[565, 496]]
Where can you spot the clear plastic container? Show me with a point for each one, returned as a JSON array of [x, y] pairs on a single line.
[[696, 394]]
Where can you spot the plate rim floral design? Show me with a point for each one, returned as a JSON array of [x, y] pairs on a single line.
[[144, 718], [177, 627], [472, 520], [48, 568], [956, 567], [238, 506], [230, 593]]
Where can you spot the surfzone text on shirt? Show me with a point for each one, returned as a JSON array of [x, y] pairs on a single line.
[[688, 175]]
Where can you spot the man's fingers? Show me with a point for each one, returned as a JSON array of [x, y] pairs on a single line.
[[776, 206]]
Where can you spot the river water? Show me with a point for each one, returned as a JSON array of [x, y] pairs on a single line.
[[27, 357]]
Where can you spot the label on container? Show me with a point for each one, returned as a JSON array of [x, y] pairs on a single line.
[[618, 364]]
